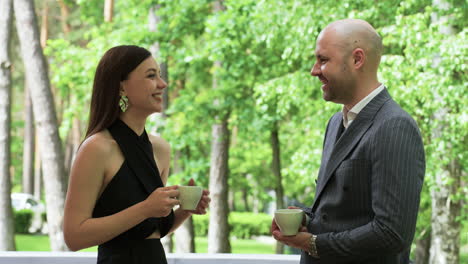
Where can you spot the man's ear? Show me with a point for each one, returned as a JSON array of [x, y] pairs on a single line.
[[359, 57]]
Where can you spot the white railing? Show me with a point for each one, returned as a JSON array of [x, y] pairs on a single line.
[[23, 257]]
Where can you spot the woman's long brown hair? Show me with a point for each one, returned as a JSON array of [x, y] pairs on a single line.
[[114, 67]]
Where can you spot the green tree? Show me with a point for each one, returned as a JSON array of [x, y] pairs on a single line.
[[7, 241], [266, 50], [45, 118]]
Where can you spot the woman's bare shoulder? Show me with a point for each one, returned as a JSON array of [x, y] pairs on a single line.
[[160, 145], [101, 143]]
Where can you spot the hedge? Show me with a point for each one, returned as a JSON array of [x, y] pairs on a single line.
[[22, 220], [242, 224]]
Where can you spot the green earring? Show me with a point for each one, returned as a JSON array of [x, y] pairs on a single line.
[[123, 103]]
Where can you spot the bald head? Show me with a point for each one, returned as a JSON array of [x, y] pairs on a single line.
[[350, 34]]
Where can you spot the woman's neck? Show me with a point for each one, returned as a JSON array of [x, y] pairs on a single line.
[[135, 122]]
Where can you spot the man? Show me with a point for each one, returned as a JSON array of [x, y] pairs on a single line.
[[373, 163]]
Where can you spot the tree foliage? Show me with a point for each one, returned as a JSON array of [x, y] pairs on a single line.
[[267, 50]]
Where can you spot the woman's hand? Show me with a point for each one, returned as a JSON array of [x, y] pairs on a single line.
[[161, 201], [204, 201]]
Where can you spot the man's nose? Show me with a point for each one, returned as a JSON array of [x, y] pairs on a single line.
[[315, 71]]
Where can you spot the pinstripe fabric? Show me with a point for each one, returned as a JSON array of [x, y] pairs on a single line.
[[368, 189]]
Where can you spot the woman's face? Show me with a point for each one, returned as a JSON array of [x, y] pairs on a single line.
[[144, 88]]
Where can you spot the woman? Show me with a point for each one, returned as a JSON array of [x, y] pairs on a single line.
[[116, 196]]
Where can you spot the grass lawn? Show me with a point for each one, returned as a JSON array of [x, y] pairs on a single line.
[[242, 246], [239, 246], [26, 242]]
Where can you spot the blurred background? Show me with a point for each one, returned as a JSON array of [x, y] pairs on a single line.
[[242, 114]]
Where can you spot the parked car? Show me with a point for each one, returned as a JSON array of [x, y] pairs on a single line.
[[21, 201]]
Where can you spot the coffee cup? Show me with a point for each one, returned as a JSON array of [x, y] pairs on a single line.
[[289, 220], [189, 197]]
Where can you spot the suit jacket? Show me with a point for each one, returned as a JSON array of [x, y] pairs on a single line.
[[368, 189]]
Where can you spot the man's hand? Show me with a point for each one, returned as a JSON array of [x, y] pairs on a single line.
[[300, 240]]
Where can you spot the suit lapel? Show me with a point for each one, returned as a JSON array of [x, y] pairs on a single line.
[[336, 151], [330, 140]]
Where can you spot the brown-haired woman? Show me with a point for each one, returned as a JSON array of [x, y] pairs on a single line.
[[116, 196]]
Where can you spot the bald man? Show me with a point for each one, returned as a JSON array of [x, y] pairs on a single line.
[[371, 175]]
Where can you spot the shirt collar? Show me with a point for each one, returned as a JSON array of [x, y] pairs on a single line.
[[350, 115]]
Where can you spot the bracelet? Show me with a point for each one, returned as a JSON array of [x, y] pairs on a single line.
[[313, 247]]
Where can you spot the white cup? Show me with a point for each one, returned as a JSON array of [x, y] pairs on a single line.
[[289, 220], [189, 197]]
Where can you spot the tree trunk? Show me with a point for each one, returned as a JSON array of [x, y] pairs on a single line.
[[37, 170], [168, 240], [165, 76], [255, 194], [108, 10], [445, 246], [44, 24], [167, 243], [7, 239], [445, 237], [28, 147], [153, 20], [72, 143], [184, 235], [64, 15], [276, 167], [45, 119], [218, 231], [68, 152], [75, 140], [421, 255], [231, 203], [74, 136], [245, 198]]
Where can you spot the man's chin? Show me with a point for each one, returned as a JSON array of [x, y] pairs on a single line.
[[327, 97]]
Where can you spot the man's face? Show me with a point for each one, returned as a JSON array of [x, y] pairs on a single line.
[[332, 68]]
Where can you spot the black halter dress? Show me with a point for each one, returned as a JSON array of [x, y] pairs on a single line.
[[136, 179]]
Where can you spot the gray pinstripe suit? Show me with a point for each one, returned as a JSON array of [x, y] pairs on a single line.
[[368, 189]]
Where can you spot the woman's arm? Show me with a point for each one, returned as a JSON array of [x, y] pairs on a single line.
[[162, 151], [86, 180], [182, 215]]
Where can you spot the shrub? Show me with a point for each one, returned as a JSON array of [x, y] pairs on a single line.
[[246, 225], [242, 224], [200, 225], [22, 220]]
